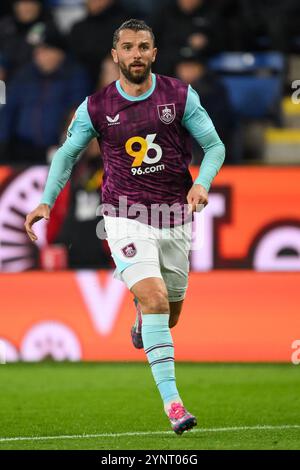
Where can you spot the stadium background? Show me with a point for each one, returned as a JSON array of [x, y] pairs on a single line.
[[58, 299]]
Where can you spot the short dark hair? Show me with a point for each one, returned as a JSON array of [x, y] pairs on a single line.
[[134, 25]]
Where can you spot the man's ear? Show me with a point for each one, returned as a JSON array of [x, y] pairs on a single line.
[[114, 56], [154, 54]]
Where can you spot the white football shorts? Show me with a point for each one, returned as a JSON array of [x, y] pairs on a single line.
[[141, 251]]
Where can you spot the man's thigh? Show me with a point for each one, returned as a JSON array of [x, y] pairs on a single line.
[[174, 263], [134, 250], [139, 254]]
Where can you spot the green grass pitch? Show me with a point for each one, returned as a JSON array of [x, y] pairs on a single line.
[[116, 406]]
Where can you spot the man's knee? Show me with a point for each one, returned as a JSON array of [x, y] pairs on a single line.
[[155, 302]]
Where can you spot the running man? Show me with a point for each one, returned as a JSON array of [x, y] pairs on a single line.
[[143, 123]]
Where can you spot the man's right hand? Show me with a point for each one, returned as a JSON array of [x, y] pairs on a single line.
[[41, 212]]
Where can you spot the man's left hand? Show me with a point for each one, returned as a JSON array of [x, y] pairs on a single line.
[[197, 195]]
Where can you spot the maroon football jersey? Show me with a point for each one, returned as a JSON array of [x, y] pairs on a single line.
[[145, 149]]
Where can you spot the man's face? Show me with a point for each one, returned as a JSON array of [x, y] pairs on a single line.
[[95, 7], [189, 5], [109, 72], [189, 72], [134, 53], [48, 59], [27, 11]]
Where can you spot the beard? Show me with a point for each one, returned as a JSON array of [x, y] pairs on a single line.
[[135, 76]]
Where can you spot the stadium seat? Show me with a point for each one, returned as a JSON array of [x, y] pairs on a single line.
[[254, 82], [247, 62], [254, 97], [282, 146]]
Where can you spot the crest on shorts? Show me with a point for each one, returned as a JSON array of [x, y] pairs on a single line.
[[166, 112], [129, 250]]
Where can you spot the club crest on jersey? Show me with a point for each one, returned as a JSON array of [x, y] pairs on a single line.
[[129, 250], [113, 121], [166, 113]]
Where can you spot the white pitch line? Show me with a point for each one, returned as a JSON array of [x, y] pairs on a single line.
[[150, 433]]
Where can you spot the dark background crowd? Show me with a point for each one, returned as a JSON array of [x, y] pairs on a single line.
[[54, 53]]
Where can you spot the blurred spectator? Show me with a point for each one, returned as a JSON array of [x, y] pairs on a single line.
[[265, 24], [259, 24], [21, 31], [3, 68], [38, 101], [73, 220], [142, 9], [67, 12], [70, 3], [213, 95], [91, 38], [230, 17], [293, 7], [184, 24], [4, 7], [109, 72]]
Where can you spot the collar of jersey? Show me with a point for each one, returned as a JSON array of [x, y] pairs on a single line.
[[137, 98]]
